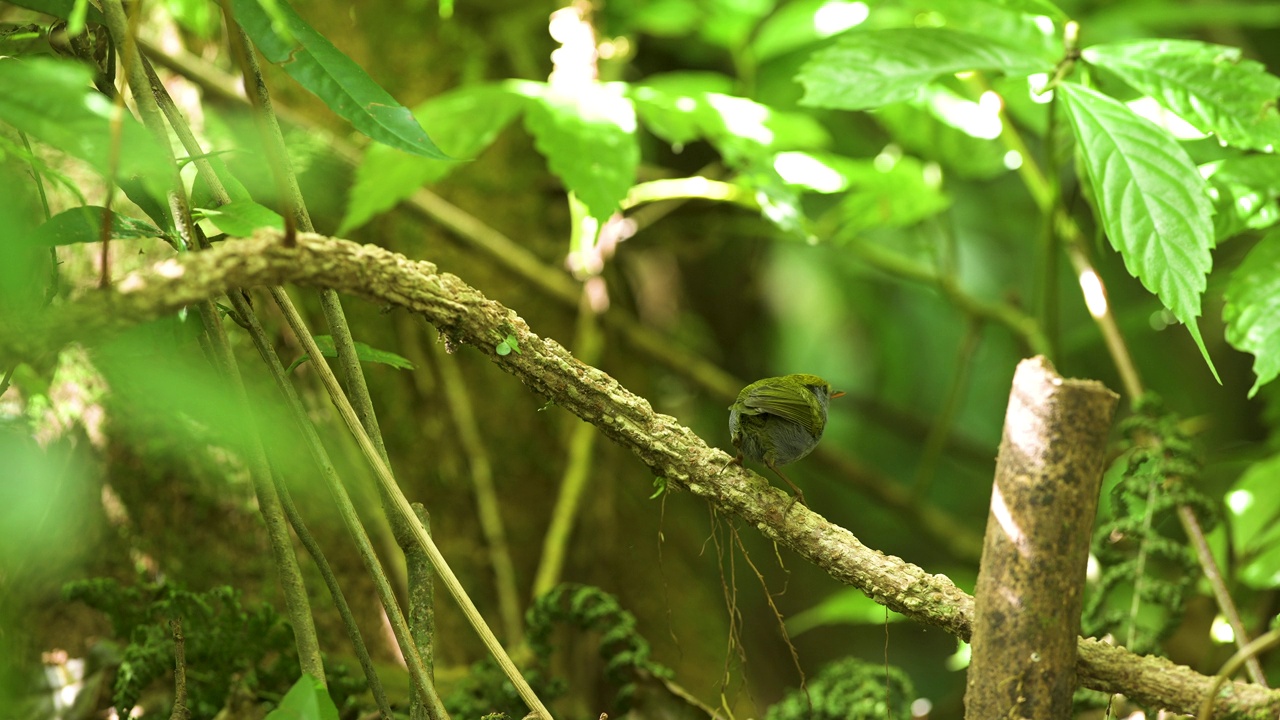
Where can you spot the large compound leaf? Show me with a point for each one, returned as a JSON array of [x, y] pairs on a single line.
[[336, 79], [873, 68], [53, 101], [1209, 86], [1152, 201], [1252, 310], [464, 121], [589, 141]]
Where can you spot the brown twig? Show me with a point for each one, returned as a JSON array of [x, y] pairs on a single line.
[[180, 709]]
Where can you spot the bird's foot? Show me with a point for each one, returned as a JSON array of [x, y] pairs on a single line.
[[735, 461], [798, 497]]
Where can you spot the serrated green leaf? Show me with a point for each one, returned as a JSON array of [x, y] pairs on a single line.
[[336, 79], [363, 351], [308, 699], [1244, 191], [1151, 200], [464, 122], [241, 218], [866, 69], [84, 225], [52, 100], [1209, 86], [1252, 309], [589, 141]]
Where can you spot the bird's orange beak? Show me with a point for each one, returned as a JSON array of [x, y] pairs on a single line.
[[839, 393]]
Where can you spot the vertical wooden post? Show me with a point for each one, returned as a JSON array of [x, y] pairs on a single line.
[[1031, 579]]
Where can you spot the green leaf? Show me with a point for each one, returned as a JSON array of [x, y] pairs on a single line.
[[1252, 309], [797, 24], [198, 16], [503, 348], [1244, 191], [682, 107], [589, 142], [336, 79], [844, 607], [659, 487], [866, 69], [1179, 17], [464, 121], [308, 699], [242, 218], [1034, 7], [1209, 86], [888, 192], [957, 132], [24, 266], [53, 100], [1253, 504], [363, 351], [62, 9], [1151, 200], [673, 105], [84, 225]]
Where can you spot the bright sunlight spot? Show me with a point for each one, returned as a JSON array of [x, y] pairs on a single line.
[[921, 707], [932, 174], [797, 168], [1239, 501], [1094, 296], [1221, 631], [1152, 110], [742, 117], [888, 158], [979, 119], [1013, 159], [1161, 319], [1044, 24], [838, 16], [1035, 86]]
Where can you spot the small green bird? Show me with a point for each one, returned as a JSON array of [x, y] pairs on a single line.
[[779, 420]]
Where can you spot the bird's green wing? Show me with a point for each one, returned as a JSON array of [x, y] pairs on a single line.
[[790, 401]]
